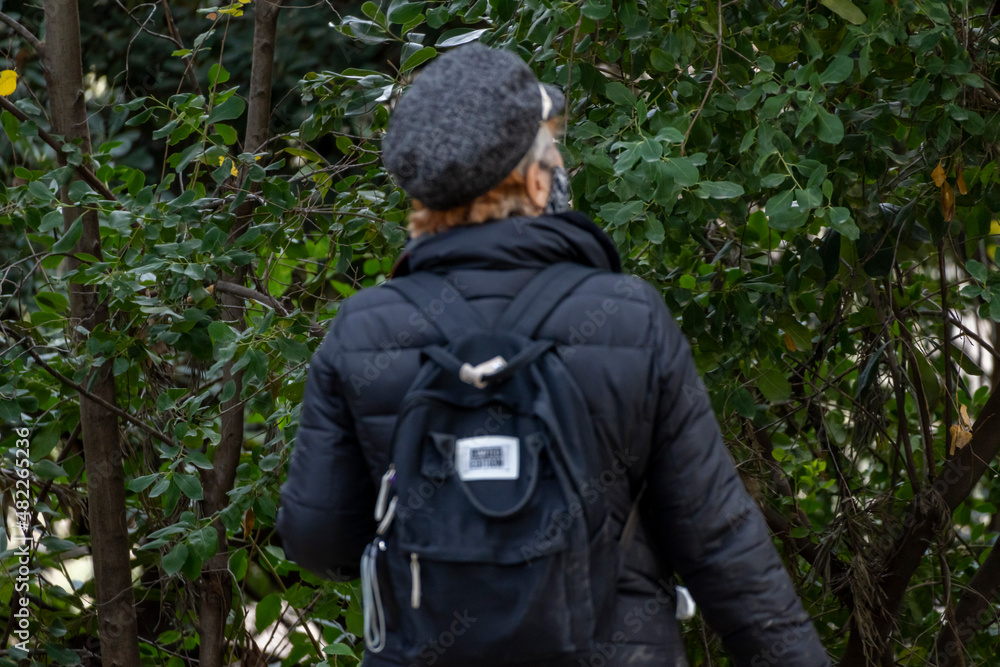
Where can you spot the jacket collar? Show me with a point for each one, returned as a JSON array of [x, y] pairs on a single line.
[[512, 243]]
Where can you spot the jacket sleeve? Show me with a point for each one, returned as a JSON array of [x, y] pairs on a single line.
[[325, 516], [707, 526]]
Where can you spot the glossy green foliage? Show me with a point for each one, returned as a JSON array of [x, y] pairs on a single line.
[[770, 166]]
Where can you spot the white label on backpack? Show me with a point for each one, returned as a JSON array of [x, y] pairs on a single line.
[[487, 457]]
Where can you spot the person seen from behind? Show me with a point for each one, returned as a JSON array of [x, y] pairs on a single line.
[[472, 142]]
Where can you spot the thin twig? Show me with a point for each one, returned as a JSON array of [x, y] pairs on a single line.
[[87, 175], [711, 82], [100, 401], [25, 33]]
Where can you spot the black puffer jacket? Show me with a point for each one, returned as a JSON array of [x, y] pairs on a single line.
[[649, 406]]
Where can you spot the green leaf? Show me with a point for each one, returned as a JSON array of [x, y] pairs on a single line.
[[142, 483], [52, 302], [774, 386], [459, 36], [405, 12], [977, 270], [682, 170], [338, 649], [840, 219], [687, 281], [837, 71], [831, 129], [70, 238], [174, 561], [48, 469], [846, 10], [267, 612], [60, 655], [773, 180], [597, 9], [189, 485], [619, 94], [229, 110], [719, 190], [419, 58], [919, 90], [217, 74], [661, 60], [227, 133], [654, 230], [650, 150], [11, 125], [204, 542], [742, 401], [40, 192]]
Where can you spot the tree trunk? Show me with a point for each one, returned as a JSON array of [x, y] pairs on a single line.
[[920, 523], [99, 427], [217, 482]]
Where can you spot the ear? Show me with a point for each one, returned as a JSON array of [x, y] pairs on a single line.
[[537, 182]]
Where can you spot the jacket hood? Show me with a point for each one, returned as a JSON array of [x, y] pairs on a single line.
[[512, 243]]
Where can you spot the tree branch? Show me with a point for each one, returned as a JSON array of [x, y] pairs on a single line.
[[244, 292], [25, 33], [85, 173], [919, 523], [974, 612], [711, 82], [97, 399]]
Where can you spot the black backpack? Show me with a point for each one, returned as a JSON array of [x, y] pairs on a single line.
[[488, 550]]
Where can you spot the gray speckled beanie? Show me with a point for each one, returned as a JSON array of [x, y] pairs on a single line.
[[464, 125]]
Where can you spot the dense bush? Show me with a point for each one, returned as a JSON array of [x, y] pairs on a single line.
[[813, 186]]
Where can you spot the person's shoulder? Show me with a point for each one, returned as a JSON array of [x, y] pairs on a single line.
[[624, 287], [363, 311], [367, 298]]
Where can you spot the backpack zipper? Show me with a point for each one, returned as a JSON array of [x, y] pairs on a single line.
[[415, 574]]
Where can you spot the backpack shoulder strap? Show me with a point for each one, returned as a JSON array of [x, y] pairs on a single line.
[[529, 309], [440, 303]]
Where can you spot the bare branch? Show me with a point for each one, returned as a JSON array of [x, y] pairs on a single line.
[[25, 33], [85, 173], [97, 399]]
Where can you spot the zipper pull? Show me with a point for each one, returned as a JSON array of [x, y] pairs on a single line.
[[415, 574], [389, 514], [383, 492]]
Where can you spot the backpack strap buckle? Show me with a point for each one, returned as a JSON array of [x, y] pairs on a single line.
[[477, 375]]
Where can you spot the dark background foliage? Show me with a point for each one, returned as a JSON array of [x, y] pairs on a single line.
[[812, 186]]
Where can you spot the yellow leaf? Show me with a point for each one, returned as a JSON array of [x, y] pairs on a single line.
[[947, 202], [243, 2], [960, 181], [961, 433], [959, 438], [232, 170], [789, 343], [8, 82], [248, 522], [938, 174], [964, 417]]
